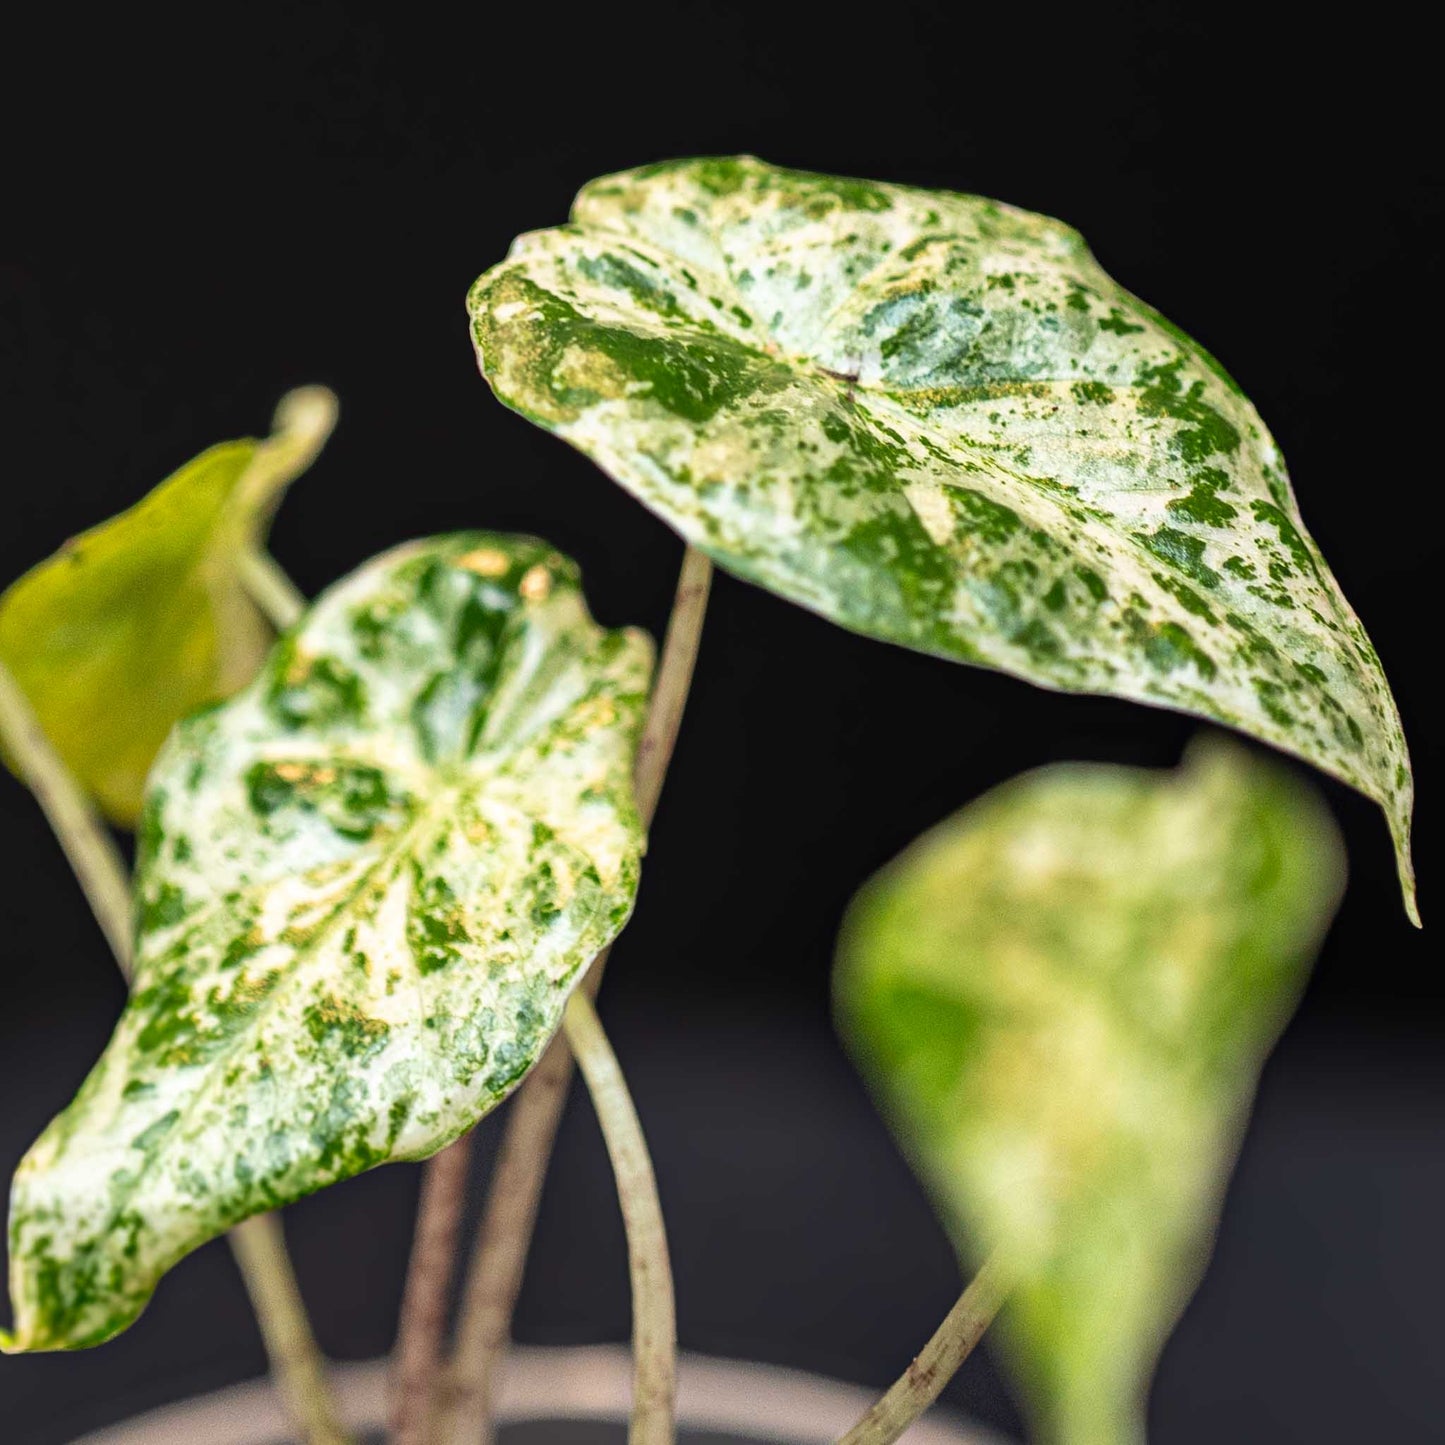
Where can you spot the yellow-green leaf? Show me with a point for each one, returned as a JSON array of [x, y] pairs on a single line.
[[366, 886], [136, 622], [1062, 997]]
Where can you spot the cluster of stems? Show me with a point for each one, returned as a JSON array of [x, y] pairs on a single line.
[[453, 1403]]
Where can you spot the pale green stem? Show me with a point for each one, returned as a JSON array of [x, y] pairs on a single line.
[[494, 1278], [303, 421], [937, 1363], [271, 589], [654, 1324], [674, 680], [258, 1244], [91, 851]]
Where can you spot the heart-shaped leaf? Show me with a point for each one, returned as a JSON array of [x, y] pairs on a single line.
[[366, 886], [136, 622], [934, 419], [1062, 997]]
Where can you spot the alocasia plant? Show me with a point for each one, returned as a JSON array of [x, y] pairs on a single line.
[[370, 884]]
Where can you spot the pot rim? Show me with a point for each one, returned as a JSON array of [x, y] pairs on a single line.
[[767, 1402]]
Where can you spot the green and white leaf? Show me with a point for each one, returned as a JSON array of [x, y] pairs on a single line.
[[366, 886], [136, 622], [934, 419], [1062, 997]]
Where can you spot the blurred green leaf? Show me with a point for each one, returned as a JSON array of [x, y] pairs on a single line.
[[936, 420], [366, 886], [136, 622], [1062, 997]]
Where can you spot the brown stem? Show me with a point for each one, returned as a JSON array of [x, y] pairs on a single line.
[[654, 1323], [424, 1304], [296, 1363], [937, 1363], [499, 1258]]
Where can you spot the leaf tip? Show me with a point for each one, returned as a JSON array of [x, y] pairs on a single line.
[[1398, 813], [307, 413], [1407, 886], [26, 1339]]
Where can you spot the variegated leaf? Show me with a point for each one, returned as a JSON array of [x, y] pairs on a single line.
[[934, 419], [366, 886], [1062, 997], [136, 622]]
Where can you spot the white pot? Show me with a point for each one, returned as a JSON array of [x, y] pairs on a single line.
[[591, 1383]]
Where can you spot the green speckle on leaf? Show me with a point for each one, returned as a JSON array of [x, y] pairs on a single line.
[[1185, 551], [340, 1025], [317, 691], [1115, 321], [1289, 534], [1203, 504]]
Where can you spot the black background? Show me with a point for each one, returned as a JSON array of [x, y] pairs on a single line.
[[198, 213]]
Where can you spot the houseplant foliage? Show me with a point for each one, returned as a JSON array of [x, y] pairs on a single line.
[[365, 887], [139, 620], [1062, 996], [935, 419], [370, 883]]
